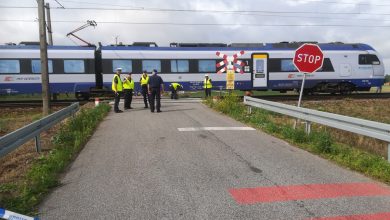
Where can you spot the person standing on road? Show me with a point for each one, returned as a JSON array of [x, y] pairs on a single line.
[[174, 88], [155, 88], [144, 86], [117, 88], [128, 88], [207, 85]]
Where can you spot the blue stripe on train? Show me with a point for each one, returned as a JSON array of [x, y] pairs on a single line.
[[23, 88]]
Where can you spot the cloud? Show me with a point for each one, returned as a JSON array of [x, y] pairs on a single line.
[[164, 34]]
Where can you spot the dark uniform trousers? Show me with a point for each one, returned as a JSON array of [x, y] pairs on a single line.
[[174, 93], [128, 97], [155, 96], [117, 99], [145, 95], [208, 92]]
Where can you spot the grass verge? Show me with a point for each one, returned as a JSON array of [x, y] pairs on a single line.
[[24, 196], [319, 141]]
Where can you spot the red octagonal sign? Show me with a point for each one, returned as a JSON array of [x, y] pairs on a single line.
[[308, 58]]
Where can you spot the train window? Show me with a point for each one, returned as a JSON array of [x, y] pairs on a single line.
[[206, 66], [126, 65], [326, 66], [74, 66], [180, 66], [287, 65], [36, 66], [9, 66], [368, 59], [150, 65]]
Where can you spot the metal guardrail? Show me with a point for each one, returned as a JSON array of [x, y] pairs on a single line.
[[364, 127], [13, 140]]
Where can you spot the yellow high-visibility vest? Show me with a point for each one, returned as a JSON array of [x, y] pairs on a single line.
[[175, 85], [207, 84], [127, 84], [144, 81], [119, 85]]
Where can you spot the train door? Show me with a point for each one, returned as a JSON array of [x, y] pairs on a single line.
[[260, 70]]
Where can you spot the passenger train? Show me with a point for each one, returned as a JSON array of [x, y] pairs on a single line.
[[269, 66]]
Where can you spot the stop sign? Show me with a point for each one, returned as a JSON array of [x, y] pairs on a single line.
[[308, 58]]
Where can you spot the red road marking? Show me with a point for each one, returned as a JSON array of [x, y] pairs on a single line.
[[304, 192], [376, 216]]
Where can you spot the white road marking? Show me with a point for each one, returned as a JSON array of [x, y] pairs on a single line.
[[217, 129]]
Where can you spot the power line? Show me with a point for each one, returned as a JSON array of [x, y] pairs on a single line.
[[313, 1], [94, 3], [344, 3], [213, 24], [200, 11]]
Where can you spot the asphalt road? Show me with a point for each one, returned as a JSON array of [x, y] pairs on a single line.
[[138, 165]]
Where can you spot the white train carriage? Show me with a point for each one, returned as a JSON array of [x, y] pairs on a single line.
[[71, 69], [347, 67]]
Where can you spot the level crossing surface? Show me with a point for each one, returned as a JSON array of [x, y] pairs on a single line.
[[190, 162]]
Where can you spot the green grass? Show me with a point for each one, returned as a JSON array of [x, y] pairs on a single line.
[[24, 197], [318, 142]]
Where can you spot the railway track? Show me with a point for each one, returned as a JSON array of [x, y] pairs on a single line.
[[321, 97], [317, 97]]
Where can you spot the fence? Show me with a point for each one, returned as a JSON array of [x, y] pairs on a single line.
[[368, 128], [13, 140]]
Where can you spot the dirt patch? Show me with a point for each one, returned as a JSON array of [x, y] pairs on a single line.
[[13, 167]]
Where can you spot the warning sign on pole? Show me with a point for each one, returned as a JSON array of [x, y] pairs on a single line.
[[230, 77]]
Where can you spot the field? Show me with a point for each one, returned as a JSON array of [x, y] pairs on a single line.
[[374, 110], [11, 168]]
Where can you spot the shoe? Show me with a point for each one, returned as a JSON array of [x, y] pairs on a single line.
[[159, 111], [151, 111], [130, 108], [119, 111], [146, 107], [127, 108]]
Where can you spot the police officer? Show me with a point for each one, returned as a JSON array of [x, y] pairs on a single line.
[[128, 87], [207, 85], [174, 88], [117, 88], [155, 88], [144, 85]]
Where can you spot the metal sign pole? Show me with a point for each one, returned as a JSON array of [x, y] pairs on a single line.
[[301, 92], [300, 98]]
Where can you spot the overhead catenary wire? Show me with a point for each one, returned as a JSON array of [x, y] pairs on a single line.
[[214, 24], [200, 10]]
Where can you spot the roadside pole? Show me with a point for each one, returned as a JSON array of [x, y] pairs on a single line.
[[302, 88], [49, 30], [44, 63], [297, 121]]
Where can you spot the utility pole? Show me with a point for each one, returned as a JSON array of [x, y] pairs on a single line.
[[44, 63], [50, 32]]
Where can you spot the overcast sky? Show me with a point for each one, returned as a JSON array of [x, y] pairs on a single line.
[[225, 21]]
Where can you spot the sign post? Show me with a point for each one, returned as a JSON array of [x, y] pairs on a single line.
[[308, 59], [230, 80]]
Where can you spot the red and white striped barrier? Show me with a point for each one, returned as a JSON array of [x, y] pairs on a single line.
[[230, 62]]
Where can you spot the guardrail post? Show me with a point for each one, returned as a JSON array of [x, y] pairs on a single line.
[[38, 143], [249, 109], [308, 127], [388, 152]]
